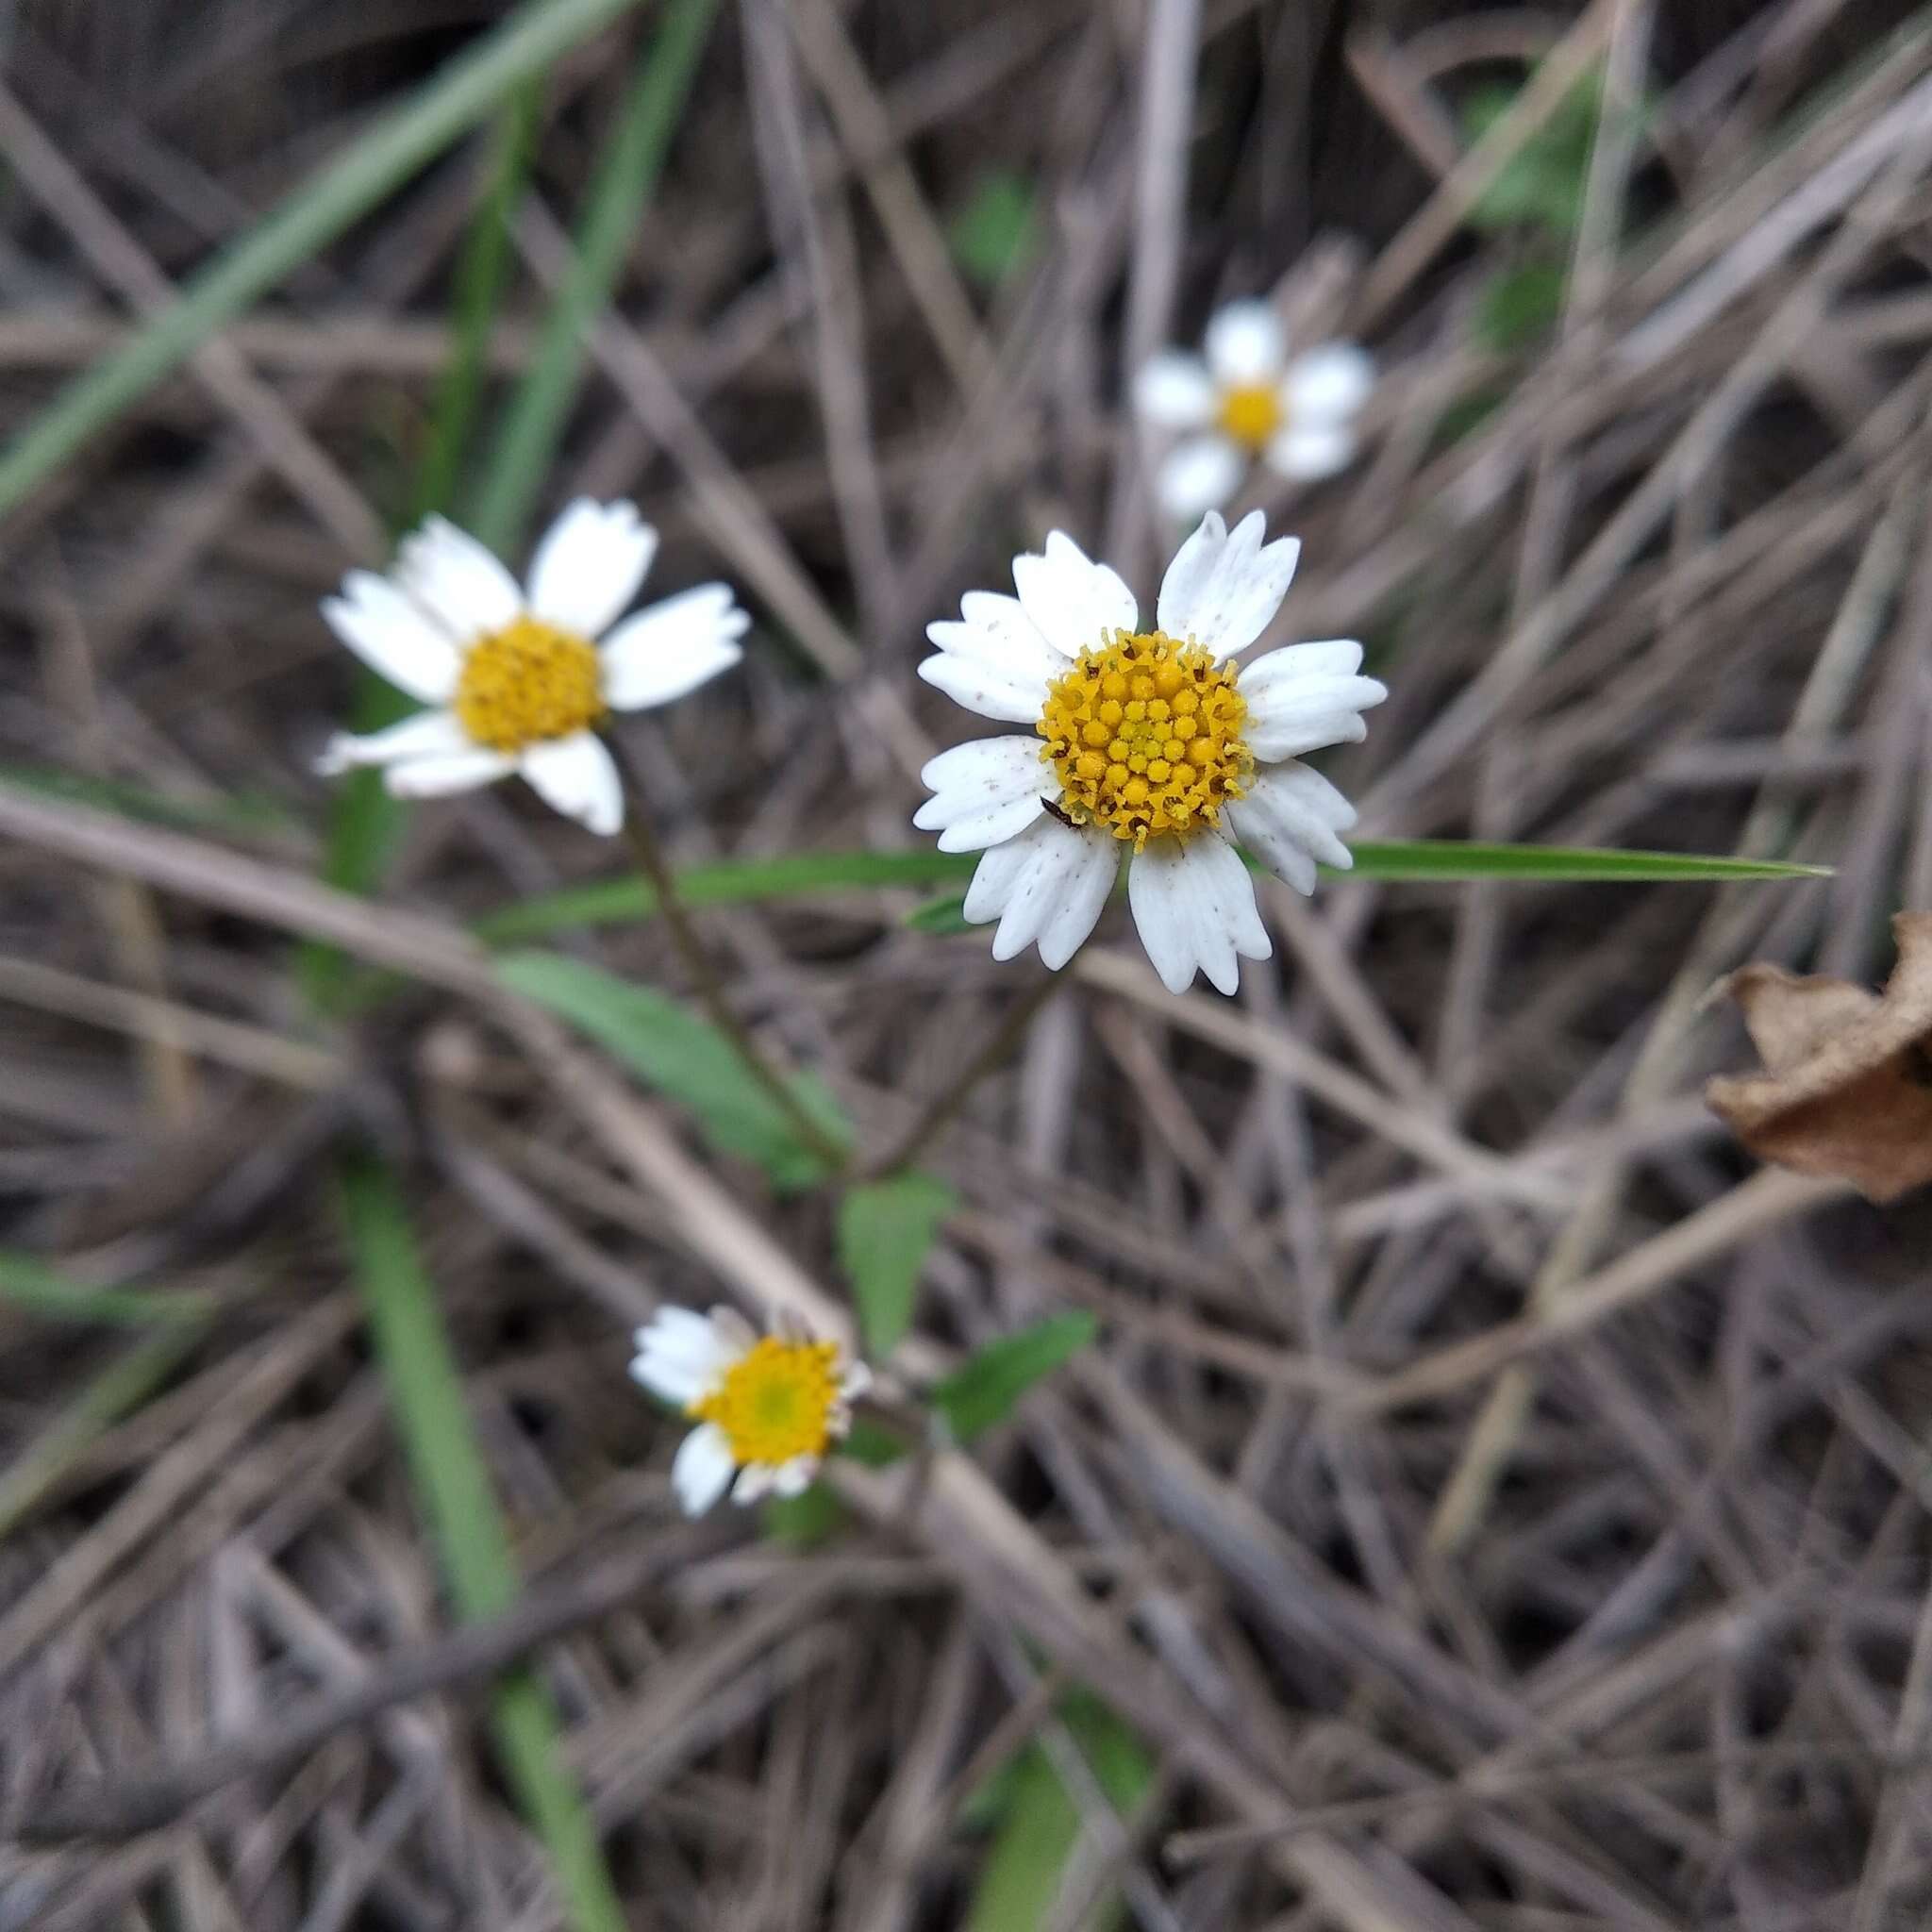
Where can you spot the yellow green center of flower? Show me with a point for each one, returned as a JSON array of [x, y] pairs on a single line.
[[528, 682], [1251, 413], [1145, 737], [777, 1400]]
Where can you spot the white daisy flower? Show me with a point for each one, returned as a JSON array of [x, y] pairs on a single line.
[[517, 679], [767, 1407], [1158, 746], [1248, 397]]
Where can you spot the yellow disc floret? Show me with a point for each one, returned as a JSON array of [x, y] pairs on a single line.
[[1251, 413], [777, 1400], [1145, 737], [528, 682]]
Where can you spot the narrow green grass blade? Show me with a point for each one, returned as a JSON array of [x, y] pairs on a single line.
[[454, 1488], [626, 175], [626, 901], [27, 1282], [311, 218], [1461, 859], [482, 275], [120, 1389]]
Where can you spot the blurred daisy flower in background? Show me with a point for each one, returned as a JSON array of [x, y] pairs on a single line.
[[1157, 746], [518, 680], [767, 1407], [1246, 397]]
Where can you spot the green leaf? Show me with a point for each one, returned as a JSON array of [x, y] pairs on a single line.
[[379, 159], [942, 917], [1025, 1870], [1541, 185], [737, 881], [885, 1230], [671, 1049], [806, 1521], [872, 1444], [1519, 306], [997, 231], [460, 1505], [983, 1391], [27, 1282]]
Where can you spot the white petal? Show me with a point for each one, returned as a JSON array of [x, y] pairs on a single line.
[[394, 636], [1308, 453], [589, 566], [1304, 696], [1199, 474], [1194, 906], [756, 1481], [733, 1333], [457, 580], [854, 1381], [683, 1355], [1224, 585], [1048, 885], [1289, 818], [701, 1472], [1172, 390], [427, 734], [984, 793], [794, 1477], [992, 659], [578, 776], [1073, 601], [1328, 384], [672, 647], [442, 773], [1246, 344]]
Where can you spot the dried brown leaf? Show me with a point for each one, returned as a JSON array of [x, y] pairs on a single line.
[[1847, 1086]]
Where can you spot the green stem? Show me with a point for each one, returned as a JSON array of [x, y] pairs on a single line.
[[658, 871], [941, 1110]]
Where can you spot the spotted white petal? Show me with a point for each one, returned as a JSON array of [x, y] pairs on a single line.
[[1327, 384], [992, 659], [457, 580], [1046, 886], [1306, 453], [578, 776], [702, 1469], [1289, 818], [1305, 696], [1073, 602], [1202, 473], [1194, 906], [682, 1355], [1246, 344], [670, 649], [427, 734], [395, 636], [589, 566], [1173, 391], [1224, 585], [442, 773], [983, 792]]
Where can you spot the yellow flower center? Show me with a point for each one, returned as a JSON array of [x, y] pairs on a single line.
[[1251, 413], [528, 682], [1145, 737], [777, 1400]]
